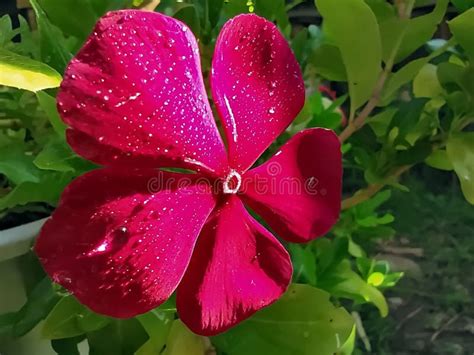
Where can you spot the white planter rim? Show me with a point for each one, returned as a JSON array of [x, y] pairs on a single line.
[[16, 241]]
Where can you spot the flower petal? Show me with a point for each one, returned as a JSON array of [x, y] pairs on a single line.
[[121, 242], [237, 268], [298, 191], [256, 84], [136, 86]]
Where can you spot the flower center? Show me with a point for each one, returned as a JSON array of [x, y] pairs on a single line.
[[232, 182]]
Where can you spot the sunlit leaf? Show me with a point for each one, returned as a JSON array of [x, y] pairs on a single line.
[[342, 281], [426, 82], [24, 73], [404, 36], [302, 322], [439, 160], [181, 341], [352, 26], [460, 149], [69, 318], [462, 28]]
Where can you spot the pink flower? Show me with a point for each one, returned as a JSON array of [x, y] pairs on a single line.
[[134, 100]]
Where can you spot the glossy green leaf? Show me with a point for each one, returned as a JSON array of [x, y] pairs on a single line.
[[352, 26], [403, 37], [69, 318], [48, 105], [40, 302], [406, 74], [17, 166], [189, 16], [426, 82], [157, 324], [439, 160], [380, 122], [73, 17], [66, 346], [462, 28], [327, 62], [406, 119], [342, 281], [24, 73], [460, 149], [302, 322], [304, 265], [58, 156], [382, 9], [348, 347], [119, 337], [181, 341], [52, 43], [463, 5], [47, 189], [274, 10]]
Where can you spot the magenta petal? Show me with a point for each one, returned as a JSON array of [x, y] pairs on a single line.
[[136, 87], [256, 84], [237, 268], [120, 242], [298, 191]]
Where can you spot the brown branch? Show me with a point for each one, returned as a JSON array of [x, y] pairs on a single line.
[[444, 326], [365, 194], [404, 12]]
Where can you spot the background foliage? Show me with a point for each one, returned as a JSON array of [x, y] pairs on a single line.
[[396, 82]]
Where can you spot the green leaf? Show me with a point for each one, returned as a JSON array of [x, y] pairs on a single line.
[[48, 105], [189, 16], [303, 321], [66, 346], [352, 26], [17, 166], [407, 73], [460, 149], [53, 50], [380, 122], [463, 5], [426, 82], [119, 337], [157, 324], [462, 28], [342, 281], [406, 119], [439, 160], [59, 13], [404, 36], [40, 302], [48, 189], [181, 341], [69, 318], [304, 265], [348, 347], [24, 73], [327, 62], [368, 208], [274, 10], [214, 8], [58, 156]]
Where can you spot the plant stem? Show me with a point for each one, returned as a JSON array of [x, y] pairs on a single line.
[[149, 5], [365, 194], [404, 12]]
